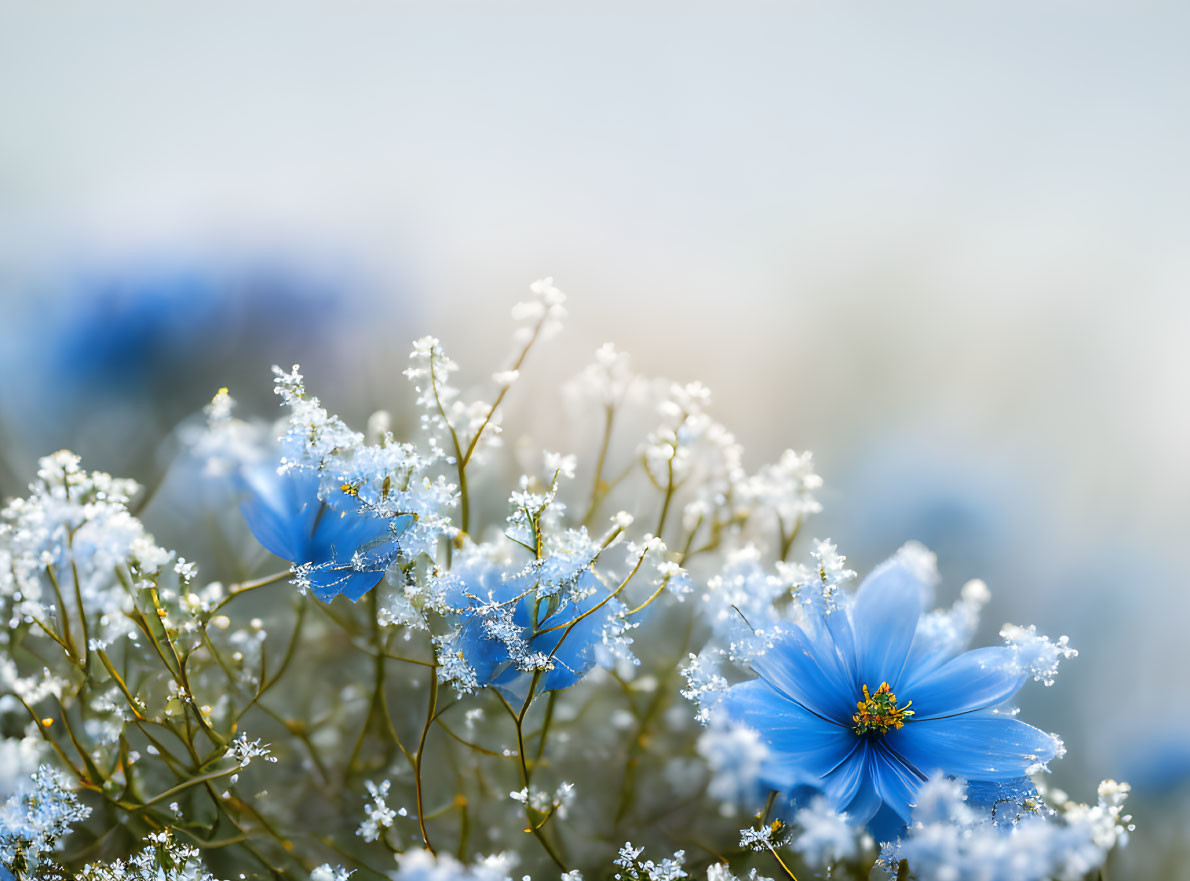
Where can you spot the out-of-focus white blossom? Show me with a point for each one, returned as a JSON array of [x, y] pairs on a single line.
[[633, 868], [1037, 653], [34, 820], [162, 859], [949, 841], [421, 865]]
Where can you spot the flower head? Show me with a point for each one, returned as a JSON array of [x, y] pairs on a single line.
[[860, 703], [340, 549], [514, 626]]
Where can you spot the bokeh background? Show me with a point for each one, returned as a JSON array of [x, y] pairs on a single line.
[[942, 245]]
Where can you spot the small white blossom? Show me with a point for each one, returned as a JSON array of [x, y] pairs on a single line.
[[1035, 653], [378, 815]]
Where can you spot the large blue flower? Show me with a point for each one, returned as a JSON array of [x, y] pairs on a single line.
[[337, 551], [862, 705], [511, 625]]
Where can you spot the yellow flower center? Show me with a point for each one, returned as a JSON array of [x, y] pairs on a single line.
[[879, 713]]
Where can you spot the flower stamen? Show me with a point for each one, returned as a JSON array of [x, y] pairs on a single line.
[[879, 713]]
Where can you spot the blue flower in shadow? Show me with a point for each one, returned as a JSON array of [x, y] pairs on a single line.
[[510, 626]]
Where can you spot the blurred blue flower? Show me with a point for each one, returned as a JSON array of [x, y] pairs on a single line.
[[142, 331], [862, 705], [335, 550], [122, 329], [508, 628], [1160, 766], [113, 356]]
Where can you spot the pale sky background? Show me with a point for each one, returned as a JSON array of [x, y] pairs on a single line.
[[943, 245]]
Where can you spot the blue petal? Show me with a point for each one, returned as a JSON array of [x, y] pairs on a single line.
[[884, 618], [997, 794], [281, 510], [886, 825], [572, 647], [401, 523], [326, 584], [348, 551], [851, 787], [480, 583], [810, 672], [488, 657], [338, 537], [806, 747], [841, 639], [896, 781], [977, 746], [975, 680]]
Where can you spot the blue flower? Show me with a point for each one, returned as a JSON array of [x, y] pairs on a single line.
[[863, 705], [336, 550], [512, 626]]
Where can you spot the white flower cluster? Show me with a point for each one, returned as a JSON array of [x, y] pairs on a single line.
[[543, 314], [327, 872], [224, 444], [952, 629], [609, 381], [694, 461], [444, 417], [558, 802], [312, 435], [829, 575], [163, 859], [633, 868], [74, 541], [1036, 653], [786, 489], [421, 865], [36, 817], [721, 872], [824, 838], [766, 836], [377, 815], [19, 758], [458, 430], [949, 840], [705, 682], [735, 756], [244, 750], [386, 479]]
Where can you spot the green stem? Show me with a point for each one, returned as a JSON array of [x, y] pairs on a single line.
[[420, 756], [604, 444], [238, 589]]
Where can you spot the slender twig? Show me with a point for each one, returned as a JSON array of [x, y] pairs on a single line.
[[781, 862], [244, 587], [518, 719], [70, 647], [460, 467], [420, 756], [598, 484], [669, 494], [503, 391], [570, 625]]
